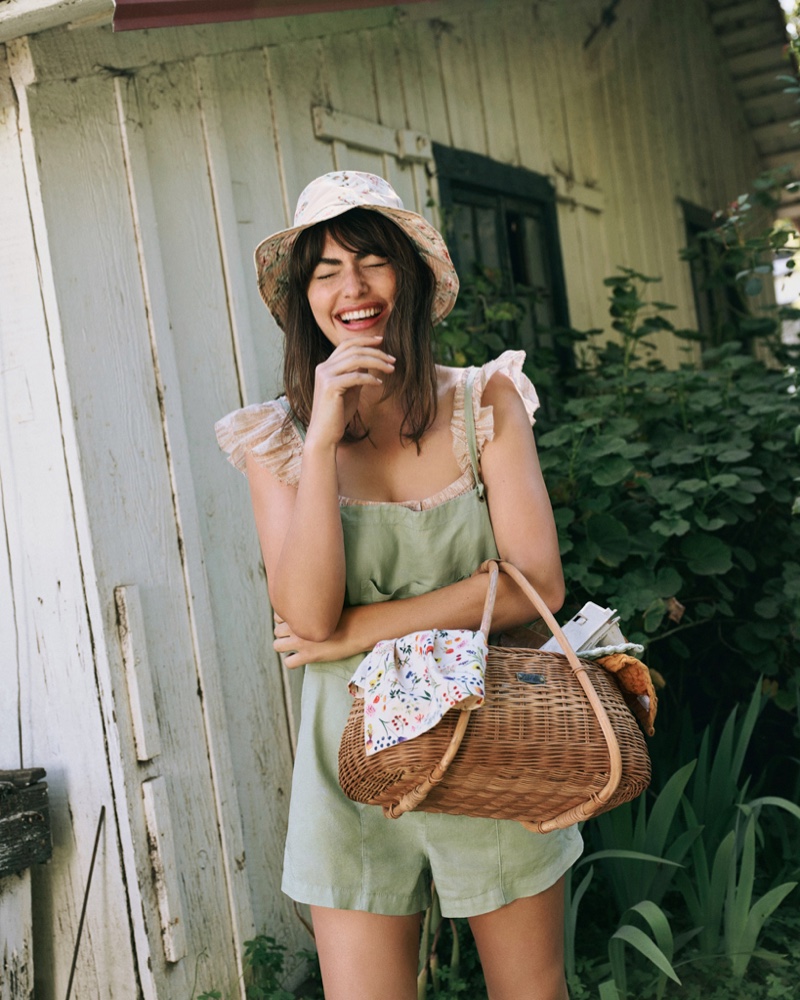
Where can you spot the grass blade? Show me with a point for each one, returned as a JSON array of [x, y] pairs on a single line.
[[644, 945]]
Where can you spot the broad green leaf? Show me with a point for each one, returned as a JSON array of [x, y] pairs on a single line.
[[706, 555], [692, 485], [561, 435], [564, 516], [654, 615], [767, 608], [669, 526], [708, 523], [725, 480], [610, 537], [733, 455], [668, 582], [612, 471]]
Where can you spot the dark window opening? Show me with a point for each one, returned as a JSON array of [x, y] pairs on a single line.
[[717, 301], [501, 225]]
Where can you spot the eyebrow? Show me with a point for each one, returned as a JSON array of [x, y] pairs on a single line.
[[332, 261]]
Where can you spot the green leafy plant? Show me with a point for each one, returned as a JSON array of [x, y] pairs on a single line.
[[265, 959], [736, 256], [658, 479], [429, 966]]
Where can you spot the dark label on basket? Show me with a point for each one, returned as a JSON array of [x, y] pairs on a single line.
[[531, 678]]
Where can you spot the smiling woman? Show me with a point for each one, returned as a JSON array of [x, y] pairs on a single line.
[[358, 262], [380, 482], [351, 291]]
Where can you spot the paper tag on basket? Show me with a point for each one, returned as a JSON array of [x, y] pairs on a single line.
[[409, 683]]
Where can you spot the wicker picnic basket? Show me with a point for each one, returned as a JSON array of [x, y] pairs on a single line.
[[553, 744]]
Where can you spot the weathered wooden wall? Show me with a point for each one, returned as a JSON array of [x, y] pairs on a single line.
[[138, 172]]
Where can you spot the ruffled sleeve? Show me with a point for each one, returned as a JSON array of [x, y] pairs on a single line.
[[262, 431], [510, 364]]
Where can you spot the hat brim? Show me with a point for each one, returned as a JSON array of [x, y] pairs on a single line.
[[272, 259]]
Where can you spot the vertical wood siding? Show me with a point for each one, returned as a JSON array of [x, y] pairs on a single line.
[[49, 666], [159, 160]]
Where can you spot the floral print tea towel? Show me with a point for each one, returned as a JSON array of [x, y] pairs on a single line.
[[409, 683]]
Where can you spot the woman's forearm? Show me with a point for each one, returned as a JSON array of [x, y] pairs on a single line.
[[459, 605]]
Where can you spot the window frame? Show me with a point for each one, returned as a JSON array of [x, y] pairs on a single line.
[[489, 178]]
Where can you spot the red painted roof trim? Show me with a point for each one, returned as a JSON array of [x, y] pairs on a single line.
[[132, 14]]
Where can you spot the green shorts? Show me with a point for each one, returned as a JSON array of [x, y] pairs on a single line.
[[349, 856]]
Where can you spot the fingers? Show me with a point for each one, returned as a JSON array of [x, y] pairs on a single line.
[[291, 656], [358, 353]]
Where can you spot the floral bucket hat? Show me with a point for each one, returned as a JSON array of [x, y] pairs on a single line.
[[332, 195]]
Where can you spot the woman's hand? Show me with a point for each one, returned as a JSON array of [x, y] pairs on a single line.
[[297, 652], [354, 364]]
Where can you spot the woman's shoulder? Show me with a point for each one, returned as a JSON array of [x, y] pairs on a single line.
[[500, 382], [263, 431], [490, 389], [499, 379]]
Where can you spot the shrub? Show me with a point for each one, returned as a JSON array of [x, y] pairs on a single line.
[[673, 492]]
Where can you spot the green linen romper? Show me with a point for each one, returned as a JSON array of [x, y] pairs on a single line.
[[346, 855]]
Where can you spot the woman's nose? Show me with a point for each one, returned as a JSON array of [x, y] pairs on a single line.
[[355, 280]]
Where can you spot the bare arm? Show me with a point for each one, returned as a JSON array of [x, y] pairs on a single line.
[[525, 533], [300, 529]]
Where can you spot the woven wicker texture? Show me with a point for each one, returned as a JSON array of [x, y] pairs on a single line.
[[553, 744]]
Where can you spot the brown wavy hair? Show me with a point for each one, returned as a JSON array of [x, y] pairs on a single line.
[[408, 330]]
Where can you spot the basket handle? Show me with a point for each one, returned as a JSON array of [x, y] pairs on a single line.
[[413, 797], [584, 810]]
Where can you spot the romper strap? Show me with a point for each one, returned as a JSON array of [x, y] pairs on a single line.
[[472, 440], [285, 404]]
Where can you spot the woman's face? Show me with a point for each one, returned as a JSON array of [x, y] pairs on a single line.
[[351, 293]]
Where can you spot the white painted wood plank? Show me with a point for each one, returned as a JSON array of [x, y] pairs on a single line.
[[349, 73], [62, 726], [26, 17], [547, 22], [397, 62], [64, 55], [128, 519], [465, 111], [359, 133], [139, 680], [351, 90], [420, 39], [493, 79], [16, 943], [398, 56], [577, 94], [237, 107], [190, 230], [523, 40], [166, 875], [10, 666], [243, 93], [296, 76], [229, 204], [391, 95]]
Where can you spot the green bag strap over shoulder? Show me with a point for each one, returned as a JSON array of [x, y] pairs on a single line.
[[472, 439]]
